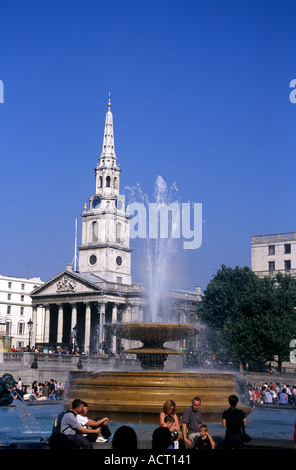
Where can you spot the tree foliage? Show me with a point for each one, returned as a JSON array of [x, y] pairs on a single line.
[[249, 319]]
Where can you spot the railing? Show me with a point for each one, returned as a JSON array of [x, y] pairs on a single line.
[[275, 236], [64, 361], [291, 272]]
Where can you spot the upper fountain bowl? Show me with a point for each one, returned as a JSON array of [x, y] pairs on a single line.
[[152, 333]]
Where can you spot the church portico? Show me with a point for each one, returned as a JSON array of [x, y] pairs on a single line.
[[79, 325]]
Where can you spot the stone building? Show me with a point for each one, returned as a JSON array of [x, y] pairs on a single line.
[[271, 254], [78, 302], [16, 310]]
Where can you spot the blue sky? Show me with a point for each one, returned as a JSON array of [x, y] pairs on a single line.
[[200, 95]]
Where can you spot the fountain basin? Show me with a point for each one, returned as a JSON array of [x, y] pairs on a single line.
[[153, 354], [135, 396]]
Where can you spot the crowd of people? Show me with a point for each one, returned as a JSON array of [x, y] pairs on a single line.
[[73, 429], [48, 390], [273, 393]]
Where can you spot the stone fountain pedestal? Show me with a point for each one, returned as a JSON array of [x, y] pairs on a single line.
[[138, 396]]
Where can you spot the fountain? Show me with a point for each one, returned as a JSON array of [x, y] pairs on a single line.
[[138, 396]]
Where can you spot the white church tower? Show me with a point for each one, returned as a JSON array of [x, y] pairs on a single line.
[[105, 250]]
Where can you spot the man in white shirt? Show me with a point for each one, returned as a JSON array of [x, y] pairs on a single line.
[[89, 423]]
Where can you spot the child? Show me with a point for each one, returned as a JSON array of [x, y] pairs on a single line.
[[169, 422], [204, 441]]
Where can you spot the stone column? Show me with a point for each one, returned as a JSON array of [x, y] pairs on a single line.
[[73, 316], [87, 328], [60, 323], [114, 313], [127, 343], [102, 321], [114, 320], [34, 326], [46, 324]]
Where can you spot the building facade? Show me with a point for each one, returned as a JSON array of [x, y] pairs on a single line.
[[78, 302], [271, 254], [16, 310]]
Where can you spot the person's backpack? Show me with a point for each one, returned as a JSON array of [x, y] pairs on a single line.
[[57, 422]]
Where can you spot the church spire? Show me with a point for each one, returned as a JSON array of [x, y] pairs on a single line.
[[108, 171], [108, 148]]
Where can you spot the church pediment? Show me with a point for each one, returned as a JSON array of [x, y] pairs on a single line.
[[69, 283]]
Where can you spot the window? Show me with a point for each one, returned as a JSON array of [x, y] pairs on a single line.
[[92, 260], [271, 249], [8, 328], [10, 284], [22, 310], [8, 309], [118, 232], [271, 267], [108, 180], [21, 328], [287, 265], [23, 286], [95, 231], [8, 296], [22, 298], [287, 248]]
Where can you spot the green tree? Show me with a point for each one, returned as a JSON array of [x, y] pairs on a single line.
[[217, 309], [250, 319]]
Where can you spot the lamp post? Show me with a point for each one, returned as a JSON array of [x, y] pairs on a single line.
[[30, 326]]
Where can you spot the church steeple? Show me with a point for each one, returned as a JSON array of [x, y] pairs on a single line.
[[108, 148], [104, 249], [107, 171]]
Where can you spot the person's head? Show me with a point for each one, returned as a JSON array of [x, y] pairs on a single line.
[[196, 403], [233, 400], [169, 419], [124, 438], [169, 407], [77, 405], [203, 429], [84, 408], [161, 438]]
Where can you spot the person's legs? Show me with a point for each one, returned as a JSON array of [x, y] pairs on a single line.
[[105, 431], [80, 441], [233, 442]]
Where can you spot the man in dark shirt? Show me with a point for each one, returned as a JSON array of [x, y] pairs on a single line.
[[233, 420], [191, 420], [51, 390]]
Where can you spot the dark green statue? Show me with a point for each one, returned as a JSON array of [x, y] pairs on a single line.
[[7, 382]]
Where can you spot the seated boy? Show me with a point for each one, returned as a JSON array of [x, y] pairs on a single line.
[[204, 441]]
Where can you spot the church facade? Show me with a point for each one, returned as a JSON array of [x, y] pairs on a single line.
[[79, 301]]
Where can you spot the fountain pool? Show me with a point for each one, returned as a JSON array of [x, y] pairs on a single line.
[[273, 423]]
